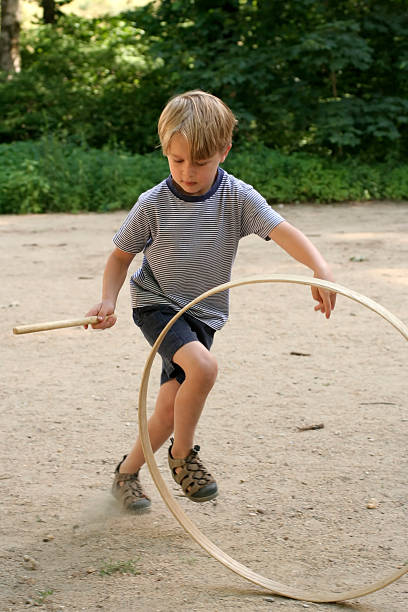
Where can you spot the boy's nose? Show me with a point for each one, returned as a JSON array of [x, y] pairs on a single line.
[[190, 172]]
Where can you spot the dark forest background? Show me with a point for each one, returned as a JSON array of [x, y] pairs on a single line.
[[320, 90]]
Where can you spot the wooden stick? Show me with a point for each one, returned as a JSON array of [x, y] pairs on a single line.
[[36, 327]]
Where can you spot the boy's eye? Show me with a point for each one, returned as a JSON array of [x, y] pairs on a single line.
[[204, 162]]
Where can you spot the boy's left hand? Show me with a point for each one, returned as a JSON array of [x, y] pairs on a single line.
[[326, 299]]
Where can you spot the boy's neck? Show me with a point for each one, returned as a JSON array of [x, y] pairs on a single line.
[[193, 197]]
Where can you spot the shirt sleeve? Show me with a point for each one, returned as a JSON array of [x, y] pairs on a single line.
[[257, 216], [135, 232]]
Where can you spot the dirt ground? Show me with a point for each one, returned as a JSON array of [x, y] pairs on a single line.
[[319, 509]]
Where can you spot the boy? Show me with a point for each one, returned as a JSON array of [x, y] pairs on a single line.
[[188, 227]]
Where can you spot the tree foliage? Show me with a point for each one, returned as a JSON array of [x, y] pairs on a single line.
[[324, 77]]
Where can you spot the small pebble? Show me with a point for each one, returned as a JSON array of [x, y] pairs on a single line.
[[30, 563], [372, 504], [48, 538], [270, 599]]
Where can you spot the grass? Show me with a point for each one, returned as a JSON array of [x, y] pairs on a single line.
[[109, 568], [42, 596]]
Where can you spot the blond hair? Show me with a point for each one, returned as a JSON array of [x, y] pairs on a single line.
[[203, 119]]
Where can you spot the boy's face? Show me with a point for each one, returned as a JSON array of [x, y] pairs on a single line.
[[192, 178]]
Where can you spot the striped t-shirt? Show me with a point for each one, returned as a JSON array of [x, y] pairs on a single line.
[[190, 242]]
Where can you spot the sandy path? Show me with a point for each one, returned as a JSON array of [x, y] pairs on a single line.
[[293, 505]]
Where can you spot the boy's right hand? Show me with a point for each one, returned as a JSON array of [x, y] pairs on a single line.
[[105, 311]]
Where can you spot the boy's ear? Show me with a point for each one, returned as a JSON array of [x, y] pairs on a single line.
[[224, 155]]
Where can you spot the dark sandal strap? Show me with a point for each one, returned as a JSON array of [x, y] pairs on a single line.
[[192, 475]]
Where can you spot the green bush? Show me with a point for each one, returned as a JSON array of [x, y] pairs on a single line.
[[50, 176], [300, 177], [396, 187], [47, 176]]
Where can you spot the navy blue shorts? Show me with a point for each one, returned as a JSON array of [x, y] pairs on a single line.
[[153, 319]]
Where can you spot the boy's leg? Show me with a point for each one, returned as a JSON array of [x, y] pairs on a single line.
[[160, 427], [187, 360], [200, 368], [126, 485], [178, 407]]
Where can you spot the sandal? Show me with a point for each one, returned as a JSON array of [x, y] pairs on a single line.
[[128, 490], [196, 482]]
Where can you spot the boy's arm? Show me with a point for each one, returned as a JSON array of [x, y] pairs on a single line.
[[298, 246], [113, 278]]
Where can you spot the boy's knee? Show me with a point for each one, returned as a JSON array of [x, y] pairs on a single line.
[[205, 370], [198, 363]]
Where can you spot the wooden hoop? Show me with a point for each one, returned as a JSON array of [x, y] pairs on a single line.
[[185, 521]]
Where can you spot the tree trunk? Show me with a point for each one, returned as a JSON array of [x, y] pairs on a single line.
[[48, 11], [10, 36]]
